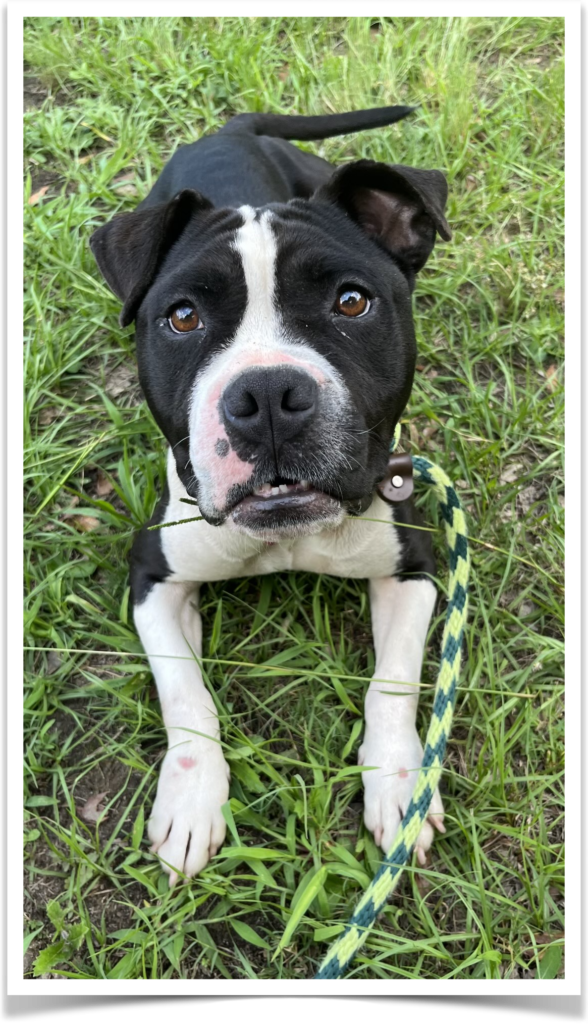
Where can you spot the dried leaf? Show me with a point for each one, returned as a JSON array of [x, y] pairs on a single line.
[[511, 473], [551, 377], [103, 485], [119, 380], [84, 523], [91, 810], [34, 199], [126, 185], [48, 414], [89, 156], [53, 662], [422, 883], [544, 937], [470, 182], [284, 72]]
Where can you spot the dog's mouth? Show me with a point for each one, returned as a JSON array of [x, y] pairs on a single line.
[[280, 485], [286, 506]]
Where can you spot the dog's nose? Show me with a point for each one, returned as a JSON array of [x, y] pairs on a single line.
[[270, 404]]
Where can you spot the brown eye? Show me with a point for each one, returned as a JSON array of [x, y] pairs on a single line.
[[184, 318], [351, 302]]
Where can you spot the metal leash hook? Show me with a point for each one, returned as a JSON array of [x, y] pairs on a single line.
[[398, 484]]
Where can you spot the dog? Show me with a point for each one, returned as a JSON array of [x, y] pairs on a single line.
[[271, 294]]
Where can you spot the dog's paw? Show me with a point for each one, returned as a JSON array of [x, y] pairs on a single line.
[[186, 826], [395, 758]]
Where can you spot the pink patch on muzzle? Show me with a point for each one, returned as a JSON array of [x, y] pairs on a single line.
[[222, 472]]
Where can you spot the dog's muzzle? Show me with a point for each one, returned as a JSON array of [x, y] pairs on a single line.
[[269, 413]]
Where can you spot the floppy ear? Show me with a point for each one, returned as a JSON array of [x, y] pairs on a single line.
[[401, 207], [130, 248]]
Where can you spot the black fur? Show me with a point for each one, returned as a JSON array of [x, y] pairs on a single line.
[[148, 562], [418, 561]]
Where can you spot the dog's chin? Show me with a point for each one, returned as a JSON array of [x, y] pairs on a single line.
[[281, 516]]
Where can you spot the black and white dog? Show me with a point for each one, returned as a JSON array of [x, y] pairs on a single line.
[[276, 349]]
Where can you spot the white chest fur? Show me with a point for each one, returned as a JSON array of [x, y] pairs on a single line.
[[358, 548]]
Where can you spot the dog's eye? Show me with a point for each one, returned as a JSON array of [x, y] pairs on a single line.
[[352, 302], [184, 318]]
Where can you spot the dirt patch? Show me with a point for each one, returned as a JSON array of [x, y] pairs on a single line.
[[34, 93]]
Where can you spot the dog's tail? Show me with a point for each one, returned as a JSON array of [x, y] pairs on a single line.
[[323, 126]]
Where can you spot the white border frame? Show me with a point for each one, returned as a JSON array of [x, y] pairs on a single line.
[[16, 984]]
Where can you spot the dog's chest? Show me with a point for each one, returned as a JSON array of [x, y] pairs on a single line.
[[366, 547], [356, 549]]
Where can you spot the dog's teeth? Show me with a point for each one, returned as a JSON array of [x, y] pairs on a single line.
[[267, 491]]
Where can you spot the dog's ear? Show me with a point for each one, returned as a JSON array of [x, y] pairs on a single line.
[[401, 207], [130, 248]]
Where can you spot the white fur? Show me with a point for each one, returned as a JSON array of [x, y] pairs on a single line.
[[401, 611], [186, 825]]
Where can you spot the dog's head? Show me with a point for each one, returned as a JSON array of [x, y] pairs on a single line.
[[276, 346]]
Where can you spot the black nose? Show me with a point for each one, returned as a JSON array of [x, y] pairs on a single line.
[[270, 405]]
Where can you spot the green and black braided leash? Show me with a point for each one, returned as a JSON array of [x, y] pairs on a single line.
[[344, 948]]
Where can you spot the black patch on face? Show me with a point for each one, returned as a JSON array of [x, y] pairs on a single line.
[[321, 252], [222, 447], [204, 269]]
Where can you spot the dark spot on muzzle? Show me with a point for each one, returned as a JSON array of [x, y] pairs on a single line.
[[222, 447]]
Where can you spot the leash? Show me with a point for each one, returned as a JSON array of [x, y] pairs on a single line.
[[343, 949]]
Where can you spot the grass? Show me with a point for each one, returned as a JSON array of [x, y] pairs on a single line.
[[288, 657]]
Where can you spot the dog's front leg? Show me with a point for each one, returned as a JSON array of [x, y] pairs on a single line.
[[401, 612], [186, 826]]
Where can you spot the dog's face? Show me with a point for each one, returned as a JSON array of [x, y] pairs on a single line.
[[276, 346]]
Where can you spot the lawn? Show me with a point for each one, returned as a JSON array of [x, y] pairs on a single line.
[[107, 101]]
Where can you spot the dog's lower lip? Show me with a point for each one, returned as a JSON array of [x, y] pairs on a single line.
[[273, 507]]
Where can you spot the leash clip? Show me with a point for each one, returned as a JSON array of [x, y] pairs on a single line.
[[398, 484]]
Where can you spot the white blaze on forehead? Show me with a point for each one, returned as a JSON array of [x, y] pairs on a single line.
[[256, 244], [260, 339]]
